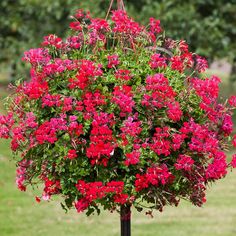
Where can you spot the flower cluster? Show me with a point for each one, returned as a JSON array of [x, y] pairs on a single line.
[[97, 190], [108, 118]]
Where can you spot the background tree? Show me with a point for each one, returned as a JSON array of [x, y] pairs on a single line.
[[24, 23]]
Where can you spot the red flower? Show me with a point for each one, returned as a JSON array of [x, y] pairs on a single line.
[[53, 40], [232, 101], [121, 198], [113, 60], [177, 63], [123, 74], [154, 176], [71, 154], [76, 25], [125, 24], [99, 25], [174, 112], [132, 158], [37, 56], [233, 162], [201, 65], [184, 162], [155, 28], [81, 205], [227, 124], [217, 169], [157, 61], [123, 97], [234, 140]]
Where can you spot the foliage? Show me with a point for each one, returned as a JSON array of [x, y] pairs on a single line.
[[117, 114], [23, 23]]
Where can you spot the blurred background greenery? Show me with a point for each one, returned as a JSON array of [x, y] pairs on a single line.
[[209, 26]]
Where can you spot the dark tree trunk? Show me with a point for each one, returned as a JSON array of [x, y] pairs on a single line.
[[125, 220], [13, 72], [232, 78]]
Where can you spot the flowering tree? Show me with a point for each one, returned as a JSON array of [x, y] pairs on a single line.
[[117, 115]]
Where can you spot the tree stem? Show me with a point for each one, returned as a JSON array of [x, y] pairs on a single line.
[[125, 220]]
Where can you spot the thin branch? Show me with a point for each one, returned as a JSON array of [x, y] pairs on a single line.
[[109, 9]]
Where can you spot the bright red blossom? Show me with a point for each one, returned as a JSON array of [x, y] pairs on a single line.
[[97, 190], [184, 162], [232, 101], [233, 162], [113, 60], [157, 61], [53, 40], [76, 25], [132, 158], [124, 24], [123, 74], [202, 64], [123, 97], [155, 28], [154, 176], [71, 154]]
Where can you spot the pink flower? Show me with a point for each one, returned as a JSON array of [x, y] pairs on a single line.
[[227, 124], [233, 162], [232, 101], [177, 63], [75, 42], [131, 127], [99, 25], [125, 24], [37, 56], [202, 64], [184, 162], [53, 40], [123, 97], [155, 28], [132, 158], [218, 168], [157, 61], [51, 100], [174, 112], [113, 60], [6, 123], [207, 89]]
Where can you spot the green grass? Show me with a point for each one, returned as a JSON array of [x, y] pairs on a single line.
[[20, 215]]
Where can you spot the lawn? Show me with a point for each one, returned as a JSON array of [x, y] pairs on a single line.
[[21, 215]]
